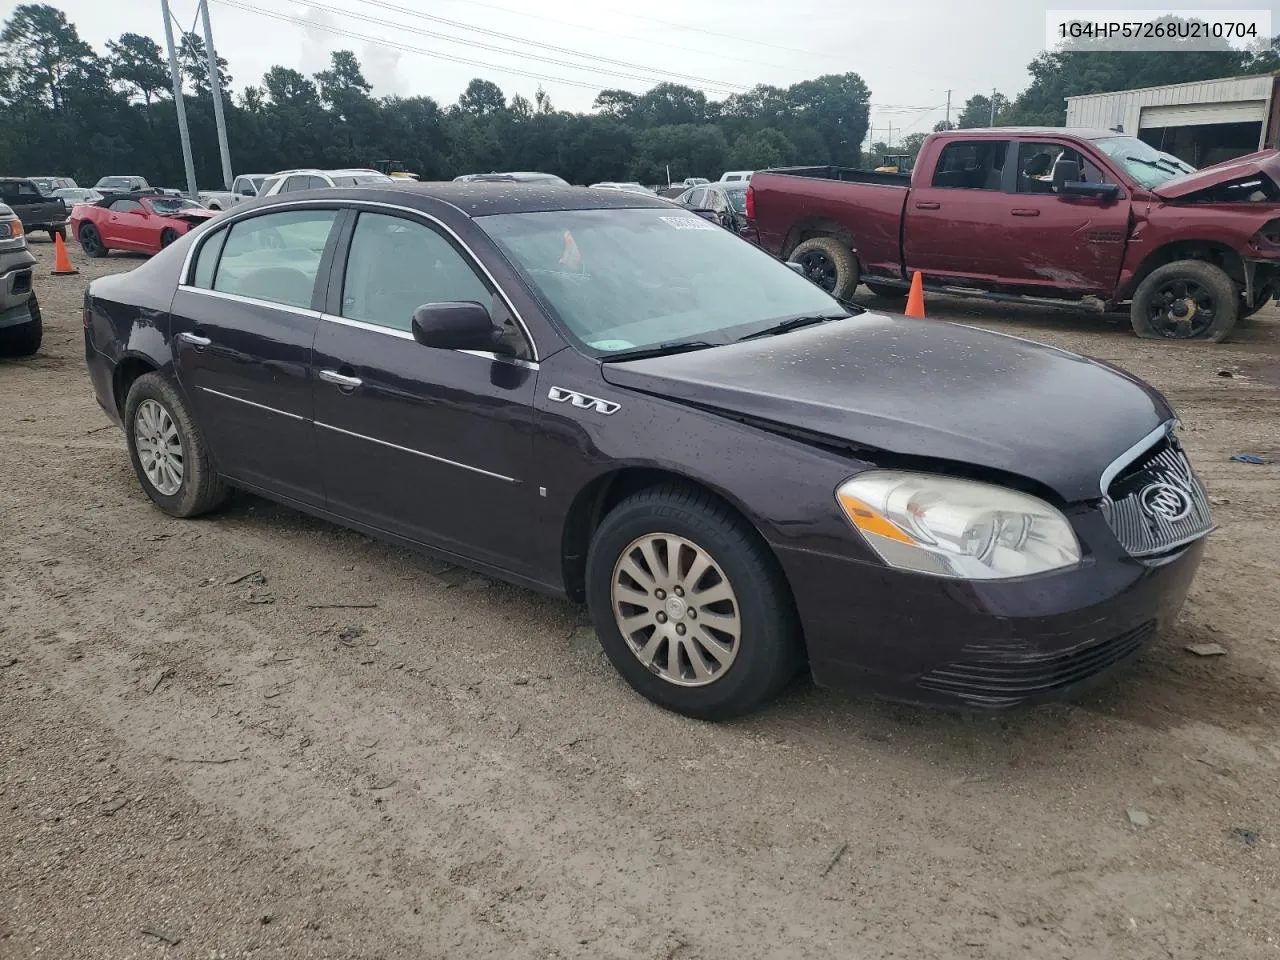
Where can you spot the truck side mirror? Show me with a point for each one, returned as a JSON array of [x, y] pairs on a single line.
[[1064, 172]]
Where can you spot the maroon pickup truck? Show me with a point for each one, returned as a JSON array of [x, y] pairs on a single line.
[[1040, 214]]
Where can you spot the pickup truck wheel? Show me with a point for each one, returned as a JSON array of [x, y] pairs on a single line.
[[91, 241], [167, 236], [1185, 300], [168, 450], [24, 339], [829, 264], [689, 604], [894, 293]]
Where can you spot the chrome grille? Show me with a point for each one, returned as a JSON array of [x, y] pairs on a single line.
[[1144, 509]]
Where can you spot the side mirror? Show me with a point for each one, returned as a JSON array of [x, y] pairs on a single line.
[[1102, 191], [464, 325], [1064, 172]]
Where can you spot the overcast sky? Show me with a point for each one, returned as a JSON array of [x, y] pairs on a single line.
[[908, 51]]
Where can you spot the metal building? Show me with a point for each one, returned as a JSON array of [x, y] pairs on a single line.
[[1202, 123]]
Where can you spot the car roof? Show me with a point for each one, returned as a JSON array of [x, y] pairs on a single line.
[[153, 194], [1084, 133], [483, 199]]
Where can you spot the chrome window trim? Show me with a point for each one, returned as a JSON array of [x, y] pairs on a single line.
[[252, 301], [260, 406], [417, 453], [1133, 453], [229, 219]]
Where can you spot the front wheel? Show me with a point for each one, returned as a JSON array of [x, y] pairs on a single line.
[[828, 263], [1185, 300], [167, 236], [91, 241], [168, 450], [690, 605]]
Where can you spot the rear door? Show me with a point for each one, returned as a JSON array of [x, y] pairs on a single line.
[[951, 217], [1069, 244], [434, 445], [243, 327]]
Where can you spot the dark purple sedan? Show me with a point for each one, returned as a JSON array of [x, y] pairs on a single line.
[[599, 395]]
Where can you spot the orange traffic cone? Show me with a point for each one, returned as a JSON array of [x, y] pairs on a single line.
[[915, 299], [61, 262]]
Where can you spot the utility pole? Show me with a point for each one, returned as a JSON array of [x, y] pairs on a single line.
[[215, 91], [178, 104], [993, 107], [948, 109]]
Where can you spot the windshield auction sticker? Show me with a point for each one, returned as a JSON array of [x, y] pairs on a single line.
[[1176, 30], [689, 223]]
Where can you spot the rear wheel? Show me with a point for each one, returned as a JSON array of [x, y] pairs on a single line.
[[91, 241], [828, 263], [24, 339], [689, 604], [1185, 300], [168, 450], [167, 236]]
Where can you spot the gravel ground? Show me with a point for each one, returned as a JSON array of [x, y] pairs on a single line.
[[198, 762]]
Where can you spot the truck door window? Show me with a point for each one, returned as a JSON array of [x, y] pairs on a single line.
[[1036, 162], [971, 165]]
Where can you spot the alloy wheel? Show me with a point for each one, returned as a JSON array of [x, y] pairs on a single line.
[[819, 268], [1182, 310], [159, 447], [676, 609]]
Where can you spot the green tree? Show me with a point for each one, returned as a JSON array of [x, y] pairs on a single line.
[[482, 97], [193, 61], [911, 144], [43, 52], [620, 104], [761, 150], [689, 149], [839, 107], [287, 87], [671, 104], [977, 111], [137, 65]]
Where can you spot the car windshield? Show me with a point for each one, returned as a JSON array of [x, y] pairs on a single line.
[[114, 183], [167, 205], [619, 280], [1147, 165], [257, 182]]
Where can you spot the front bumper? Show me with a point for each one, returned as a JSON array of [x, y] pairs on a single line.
[[15, 291], [988, 645]]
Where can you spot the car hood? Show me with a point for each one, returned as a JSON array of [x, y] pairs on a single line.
[[193, 216], [922, 388], [1265, 162]]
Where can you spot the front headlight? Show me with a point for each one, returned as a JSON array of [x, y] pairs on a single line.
[[957, 528]]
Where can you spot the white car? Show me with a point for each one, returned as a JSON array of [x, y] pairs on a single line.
[[733, 176], [289, 181], [629, 187]]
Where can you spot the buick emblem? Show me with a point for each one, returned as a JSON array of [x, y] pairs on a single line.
[[1164, 501]]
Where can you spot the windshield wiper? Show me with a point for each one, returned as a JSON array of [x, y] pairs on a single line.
[[792, 323], [661, 350]]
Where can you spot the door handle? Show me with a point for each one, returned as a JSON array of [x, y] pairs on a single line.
[[340, 379], [927, 205], [1025, 212], [194, 339]]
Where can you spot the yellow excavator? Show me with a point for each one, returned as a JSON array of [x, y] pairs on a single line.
[[895, 163], [394, 168]]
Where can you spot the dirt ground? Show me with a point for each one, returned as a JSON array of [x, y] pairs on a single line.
[[198, 761]]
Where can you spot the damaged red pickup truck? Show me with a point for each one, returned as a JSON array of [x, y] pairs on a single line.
[[1040, 214]]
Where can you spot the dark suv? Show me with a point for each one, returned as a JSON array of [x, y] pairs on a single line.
[[34, 209]]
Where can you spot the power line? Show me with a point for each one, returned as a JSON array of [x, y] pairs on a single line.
[[391, 44], [395, 8], [663, 23]]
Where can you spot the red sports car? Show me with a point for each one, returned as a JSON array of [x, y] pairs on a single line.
[[145, 222]]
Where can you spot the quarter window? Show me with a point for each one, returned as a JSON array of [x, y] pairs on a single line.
[[275, 256], [207, 260], [126, 206], [971, 165], [397, 265]]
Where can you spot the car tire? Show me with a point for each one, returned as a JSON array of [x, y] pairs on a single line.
[[24, 339], [828, 263], [154, 416], [1173, 300], [883, 290], [753, 665], [59, 232], [167, 236], [91, 241]]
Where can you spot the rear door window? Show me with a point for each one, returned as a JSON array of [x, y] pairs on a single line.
[[274, 257], [971, 165]]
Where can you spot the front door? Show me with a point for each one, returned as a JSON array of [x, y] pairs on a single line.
[[434, 445], [1065, 244], [951, 216], [243, 329], [125, 225]]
